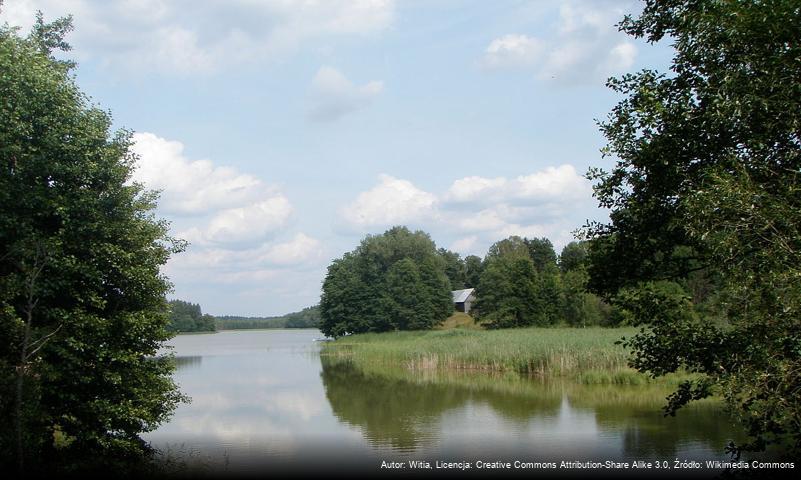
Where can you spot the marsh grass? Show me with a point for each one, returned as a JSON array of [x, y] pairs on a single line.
[[583, 355]]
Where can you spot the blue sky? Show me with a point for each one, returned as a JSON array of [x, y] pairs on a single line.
[[282, 132]]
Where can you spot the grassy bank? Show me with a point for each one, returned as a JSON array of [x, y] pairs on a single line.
[[584, 355]]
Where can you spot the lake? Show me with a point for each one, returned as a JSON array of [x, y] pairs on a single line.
[[266, 400]]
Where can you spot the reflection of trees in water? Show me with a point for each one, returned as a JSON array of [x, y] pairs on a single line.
[[403, 410], [636, 412], [390, 412], [405, 414], [648, 433], [188, 361]]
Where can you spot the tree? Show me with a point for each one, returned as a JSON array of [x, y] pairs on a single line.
[[707, 179], [473, 268], [511, 292], [542, 253], [393, 281], [188, 317], [507, 294], [402, 297], [454, 268], [513, 246], [573, 256], [83, 309]]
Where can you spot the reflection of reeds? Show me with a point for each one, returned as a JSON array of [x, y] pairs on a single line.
[[549, 390], [384, 401], [187, 361], [583, 355]]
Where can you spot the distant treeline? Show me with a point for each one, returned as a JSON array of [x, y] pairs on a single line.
[[187, 317], [309, 317]]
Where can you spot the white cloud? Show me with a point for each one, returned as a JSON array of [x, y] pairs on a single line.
[[489, 219], [333, 95], [237, 225], [390, 202], [513, 50], [476, 211], [585, 46], [301, 249], [464, 244], [267, 256], [553, 184], [186, 37], [621, 57], [469, 189], [190, 186], [249, 223]]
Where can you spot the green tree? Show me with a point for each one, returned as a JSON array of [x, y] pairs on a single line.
[[473, 268], [403, 293], [188, 317], [454, 268], [508, 247], [82, 302], [707, 178], [542, 253], [507, 295], [573, 256], [346, 299], [392, 281], [309, 317], [506, 284]]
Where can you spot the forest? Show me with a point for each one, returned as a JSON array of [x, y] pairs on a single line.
[[309, 317], [186, 317], [519, 282]]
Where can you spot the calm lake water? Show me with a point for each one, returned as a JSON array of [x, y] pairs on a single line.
[[266, 399]]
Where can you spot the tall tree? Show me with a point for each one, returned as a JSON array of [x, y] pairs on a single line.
[[511, 292], [473, 268], [513, 246], [507, 293], [454, 268], [393, 281], [542, 253], [707, 178], [573, 256], [83, 308]]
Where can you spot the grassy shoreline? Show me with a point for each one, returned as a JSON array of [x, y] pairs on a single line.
[[583, 355]]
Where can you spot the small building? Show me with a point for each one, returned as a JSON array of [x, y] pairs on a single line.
[[463, 299]]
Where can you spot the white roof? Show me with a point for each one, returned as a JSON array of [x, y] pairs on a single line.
[[460, 296]]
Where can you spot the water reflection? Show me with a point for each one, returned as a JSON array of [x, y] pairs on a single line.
[[510, 415], [390, 412], [267, 398], [187, 362]]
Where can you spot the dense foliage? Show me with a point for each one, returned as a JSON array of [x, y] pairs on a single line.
[[455, 268], [82, 302], [309, 317], [707, 192], [187, 317], [522, 283], [393, 281]]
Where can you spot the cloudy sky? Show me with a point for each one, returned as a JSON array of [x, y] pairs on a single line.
[[281, 132]]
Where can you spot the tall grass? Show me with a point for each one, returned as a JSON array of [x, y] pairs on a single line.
[[587, 355]]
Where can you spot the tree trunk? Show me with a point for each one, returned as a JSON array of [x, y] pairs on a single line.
[[21, 369]]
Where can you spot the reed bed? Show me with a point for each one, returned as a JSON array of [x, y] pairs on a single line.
[[585, 355]]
